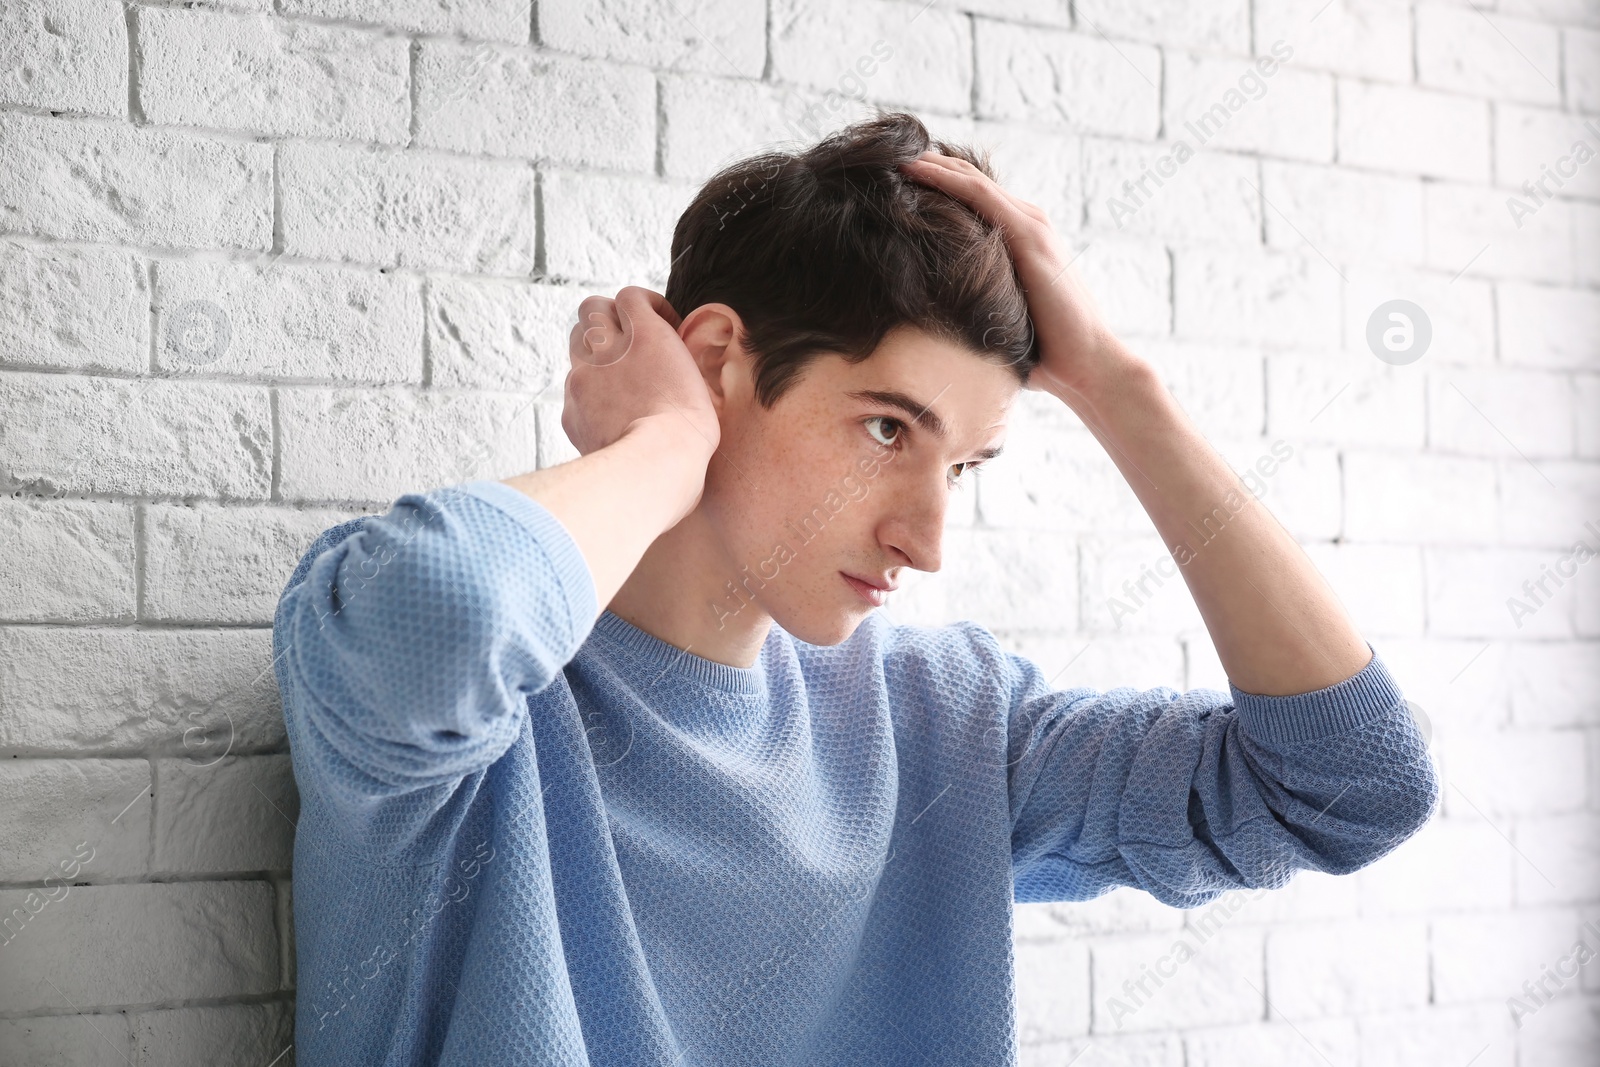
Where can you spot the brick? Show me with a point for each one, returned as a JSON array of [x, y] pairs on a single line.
[[1381, 495], [716, 121], [1131, 282], [1365, 38], [215, 440], [1514, 772], [1209, 197], [869, 50], [66, 561], [1566, 1031], [475, 99], [149, 943], [197, 694], [1044, 12], [1460, 311], [1309, 896], [406, 208], [339, 324], [979, 578], [1303, 1044], [87, 1040], [228, 1033], [726, 37], [1348, 967], [1588, 413], [227, 565], [600, 226], [74, 820], [272, 76], [73, 308], [1070, 660], [94, 181], [1233, 103], [1039, 166], [1218, 27], [554, 447], [1381, 586], [1554, 685], [1052, 983], [233, 815], [1468, 50], [1302, 491], [1413, 131], [1533, 143], [1276, 299], [65, 55], [1559, 861], [1450, 865], [511, 336], [1470, 593], [1437, 1035], [1488, 957], [1547, 327], [1585, 242], [1124, 910], [1161, 1050], [1495, 412], [495, 20], [1581, 67], [1460, 684], [1189, 980], [1068, 80], [1114, 601], [1343, 215], [1068, 482], [1220, 387], [1473, 232], [1345, 398], [1551, 507], [393, 441]]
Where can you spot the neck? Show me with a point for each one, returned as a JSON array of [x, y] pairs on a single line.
[[679, 594]]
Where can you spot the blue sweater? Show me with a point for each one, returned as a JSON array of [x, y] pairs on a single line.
[[530, 836]]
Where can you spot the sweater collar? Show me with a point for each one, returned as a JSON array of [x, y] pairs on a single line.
[[661, 656]]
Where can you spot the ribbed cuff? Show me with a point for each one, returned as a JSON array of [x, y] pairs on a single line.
[[572, 570], [1369, 694]]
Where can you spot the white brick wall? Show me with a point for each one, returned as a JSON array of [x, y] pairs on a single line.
[[391, 209]]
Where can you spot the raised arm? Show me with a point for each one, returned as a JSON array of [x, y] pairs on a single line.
[[1277, 626], [406, 644]]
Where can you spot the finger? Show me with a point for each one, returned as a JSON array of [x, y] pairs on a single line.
[[960, 178], [638, 301]]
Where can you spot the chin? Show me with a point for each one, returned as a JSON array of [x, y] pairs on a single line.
[[822, 628]]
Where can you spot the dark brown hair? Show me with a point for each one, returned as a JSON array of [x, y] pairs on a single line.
[[831, 247]]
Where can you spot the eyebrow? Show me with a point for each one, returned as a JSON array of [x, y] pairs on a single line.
[[920, 413]]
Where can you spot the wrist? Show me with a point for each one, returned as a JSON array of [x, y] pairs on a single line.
[[1108, 371], [678, 453]]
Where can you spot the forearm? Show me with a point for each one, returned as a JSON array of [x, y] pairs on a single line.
[[618, 499], [1278, 627]]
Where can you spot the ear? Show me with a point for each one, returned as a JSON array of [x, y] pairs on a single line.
[[712, 334]]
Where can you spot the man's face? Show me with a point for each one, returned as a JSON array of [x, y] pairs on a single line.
[[834, 480]]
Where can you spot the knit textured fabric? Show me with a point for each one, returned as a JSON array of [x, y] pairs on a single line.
[[533, 836]]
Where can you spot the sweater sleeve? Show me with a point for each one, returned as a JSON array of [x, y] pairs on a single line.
[[1188, 795], [406, 645]]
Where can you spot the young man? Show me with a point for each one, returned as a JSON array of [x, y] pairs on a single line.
[[737, 817]]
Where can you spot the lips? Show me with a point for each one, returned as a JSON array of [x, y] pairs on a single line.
[[874, 591]]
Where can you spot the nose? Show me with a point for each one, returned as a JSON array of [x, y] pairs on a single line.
[[914, 526]]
